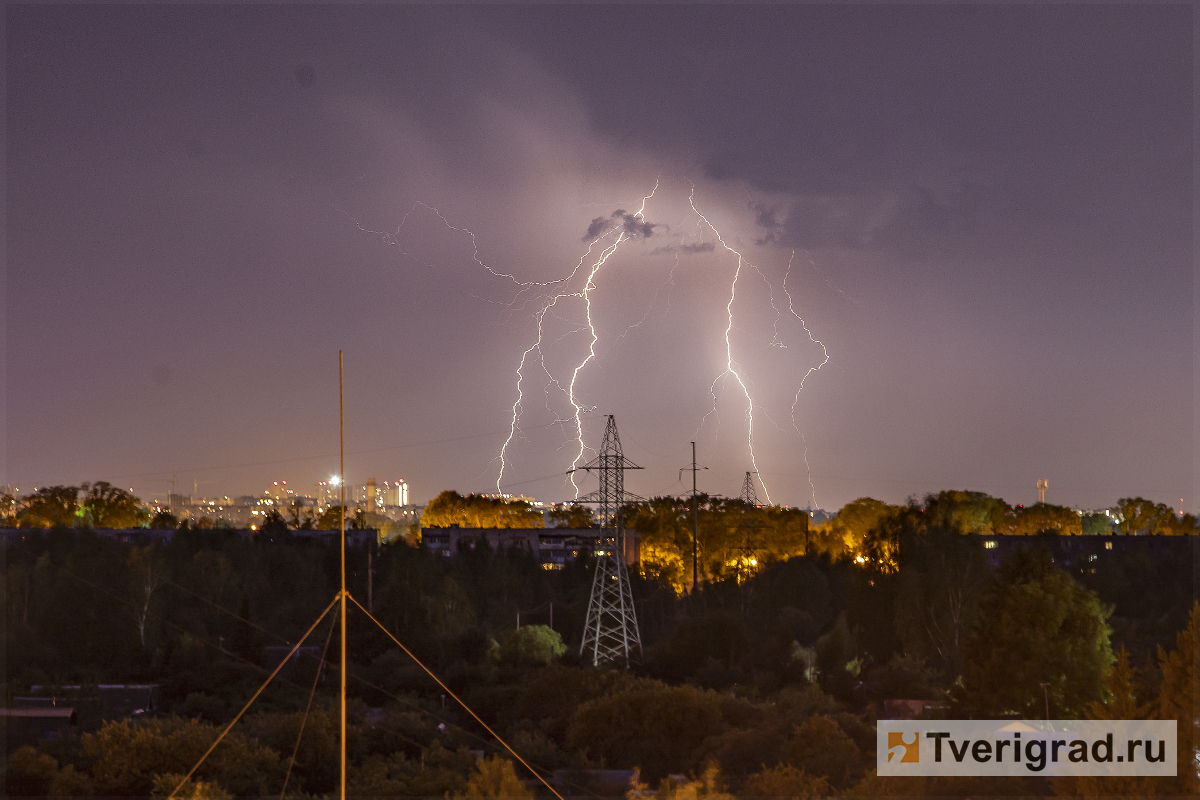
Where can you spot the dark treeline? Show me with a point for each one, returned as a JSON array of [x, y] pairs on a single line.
[[766, 682]]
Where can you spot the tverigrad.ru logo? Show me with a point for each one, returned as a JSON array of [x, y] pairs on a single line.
[[1026, 747], [907, 752]]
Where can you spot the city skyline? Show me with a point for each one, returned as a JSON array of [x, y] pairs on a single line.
[[966, 233]]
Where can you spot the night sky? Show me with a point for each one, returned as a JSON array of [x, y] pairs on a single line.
[[984, 213]]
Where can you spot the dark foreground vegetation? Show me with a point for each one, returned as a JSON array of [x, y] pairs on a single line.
[[765, 683]]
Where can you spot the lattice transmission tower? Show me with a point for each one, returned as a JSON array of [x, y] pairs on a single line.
[[611, 633], [749, 496]]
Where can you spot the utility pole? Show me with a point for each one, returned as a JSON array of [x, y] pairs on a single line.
[[695, 528]]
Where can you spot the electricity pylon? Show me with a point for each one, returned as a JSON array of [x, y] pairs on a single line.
[[611, 633], [748, 495]]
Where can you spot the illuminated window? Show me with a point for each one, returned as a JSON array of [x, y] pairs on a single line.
[[990, 545], [1108, 545]]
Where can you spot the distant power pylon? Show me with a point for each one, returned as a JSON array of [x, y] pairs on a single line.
[[748, 495], [611, 633], [1043, 484]]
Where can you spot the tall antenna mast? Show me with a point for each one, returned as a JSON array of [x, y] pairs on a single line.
[[611, 631], [342, 503]]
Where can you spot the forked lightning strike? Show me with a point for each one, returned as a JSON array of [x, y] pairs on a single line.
[[548, 301], [545, 296], [730, 368], [791, 307]]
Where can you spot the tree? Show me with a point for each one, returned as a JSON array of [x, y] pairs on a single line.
[[941, 576], [127, 758], [1140, 517], [785, 781], [820, 747], [1035, 625], [107, 506], [1042, 518], [968, 512], [1120, 703], [51, 507], [647, 725], [570, 515], [532, 645], [273, 523], [8, 510], [148, 573], [1179, 698], [164, 520], [1099, 524], [707, 785], [476, 511], [494, 777], [166, 784], [29, 772], [855, 520], [331, 519]]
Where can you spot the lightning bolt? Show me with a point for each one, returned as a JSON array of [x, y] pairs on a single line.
[[545, 300], [796, 400], [548, 301], [730, 365]]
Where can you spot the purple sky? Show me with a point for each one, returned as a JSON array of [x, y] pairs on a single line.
[[984, 213]]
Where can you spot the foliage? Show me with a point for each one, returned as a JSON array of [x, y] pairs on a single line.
[[476, 511], [494, 777], [107, 506], [734, 540], [1043, 518], [1179, 698], [169, 783], [821, 747], [50, 507], [570, 515], [126, 757], [8, 510], [856, 519], [29, 772], [968, 512], [1137, 516], [1036, 625], [532, 645], [784, 781], [653, 726], [707, 784], [331, 519], [941, 576], [164, 520]]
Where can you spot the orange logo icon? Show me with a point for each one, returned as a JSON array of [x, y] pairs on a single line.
[[912, 750]]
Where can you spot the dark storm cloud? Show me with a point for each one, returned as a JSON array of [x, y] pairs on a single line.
[[686, 249], [633, 225], [1007, 188], [907, 222]]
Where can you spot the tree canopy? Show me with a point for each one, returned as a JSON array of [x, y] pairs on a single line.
[[1035, 625], [476, 511]]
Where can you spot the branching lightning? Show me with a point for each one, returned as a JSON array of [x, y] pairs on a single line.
[[791, 307], [730, 366], [545, 301]]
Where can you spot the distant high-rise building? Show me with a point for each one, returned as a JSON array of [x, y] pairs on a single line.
[[374, 497]]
